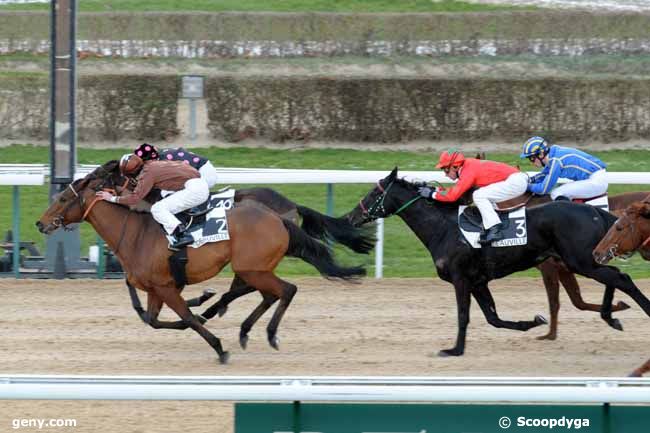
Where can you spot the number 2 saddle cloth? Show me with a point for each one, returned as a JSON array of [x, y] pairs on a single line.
[[207, 222]]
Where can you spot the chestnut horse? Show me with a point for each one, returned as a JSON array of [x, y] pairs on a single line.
[[554, 271], [259, 240], [629, 233]]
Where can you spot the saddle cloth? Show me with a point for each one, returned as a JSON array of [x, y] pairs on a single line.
[[207, 222], [514, 222]]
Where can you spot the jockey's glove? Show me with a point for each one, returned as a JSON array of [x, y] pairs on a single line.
[[426, 191], [536, 178]]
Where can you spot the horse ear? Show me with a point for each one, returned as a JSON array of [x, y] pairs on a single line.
[[111, 165], [393, 174], [645, 210]]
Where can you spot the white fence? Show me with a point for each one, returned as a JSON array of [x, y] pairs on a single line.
[[328, 389], [229, 175]]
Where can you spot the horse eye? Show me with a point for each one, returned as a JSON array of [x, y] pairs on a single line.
[[62, 199]]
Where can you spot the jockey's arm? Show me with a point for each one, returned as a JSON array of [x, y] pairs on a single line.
[[130, 198], [465, 182], [547, 182]]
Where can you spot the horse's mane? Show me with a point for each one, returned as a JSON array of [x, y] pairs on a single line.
[[408, 184]]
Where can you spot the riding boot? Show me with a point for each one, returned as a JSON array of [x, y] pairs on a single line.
[[493, 234], [181, 238]]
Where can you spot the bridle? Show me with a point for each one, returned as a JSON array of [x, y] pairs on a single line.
[[612, 251], [370, 213], [57, 221]]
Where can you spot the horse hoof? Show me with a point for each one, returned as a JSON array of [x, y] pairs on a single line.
[[548, 336], [616, 324], [201, 319], [209, 292], [243, 341], [540, 320], [224, 357], [274, 342], [449, 352], [622, 306], [634, 374], [221, 311]]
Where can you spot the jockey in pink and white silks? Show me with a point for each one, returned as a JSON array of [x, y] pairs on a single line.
[[149, 152]]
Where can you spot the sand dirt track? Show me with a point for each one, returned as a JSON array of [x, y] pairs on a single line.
[[392, 327]]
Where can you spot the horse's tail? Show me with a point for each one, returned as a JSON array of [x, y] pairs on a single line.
[[327, 228], [315, 253]]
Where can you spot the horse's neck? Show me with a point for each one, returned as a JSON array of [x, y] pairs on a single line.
[[621, 201], [425, 220], [115, 224]]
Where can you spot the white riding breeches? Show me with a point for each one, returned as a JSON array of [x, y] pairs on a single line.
[[209, 173], [484, 198], [196, 191], [594, 186]]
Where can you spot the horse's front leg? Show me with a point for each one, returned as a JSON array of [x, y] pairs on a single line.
[[484, 298], [641, 370], [150, 316], [462, 304], [173, 299]]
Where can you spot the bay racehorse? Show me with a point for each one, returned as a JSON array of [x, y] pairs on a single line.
[[551, 231], [259, 240], [314, 223]]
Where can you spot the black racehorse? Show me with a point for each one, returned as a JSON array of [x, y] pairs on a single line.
[[564, 230]]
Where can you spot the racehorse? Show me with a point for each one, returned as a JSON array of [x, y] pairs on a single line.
[[554, 272], [551, 232], [630, 232], [315, 224], [259, 240]]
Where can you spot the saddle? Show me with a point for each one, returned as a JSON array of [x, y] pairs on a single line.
[[222, 199], [514, 203]]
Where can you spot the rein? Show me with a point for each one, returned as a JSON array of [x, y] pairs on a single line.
[[378, 204]]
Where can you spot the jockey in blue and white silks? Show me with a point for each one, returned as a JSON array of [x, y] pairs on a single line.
[[587, 171]]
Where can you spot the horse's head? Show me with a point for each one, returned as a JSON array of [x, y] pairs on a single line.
[[382, 201], [627, 234], [70, 205]]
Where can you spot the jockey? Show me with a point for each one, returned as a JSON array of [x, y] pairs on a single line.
[[207, 171], [586, 170], [495, 181], [190, 190]]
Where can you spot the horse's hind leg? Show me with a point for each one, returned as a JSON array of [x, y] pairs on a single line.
[[174, 301], [238, 288], [486, 302], [247, 324], [572, 288], [550, 276], [198, 301], [614, 279], [269, 284]]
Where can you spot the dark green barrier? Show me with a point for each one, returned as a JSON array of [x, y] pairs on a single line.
[[430, 418]]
